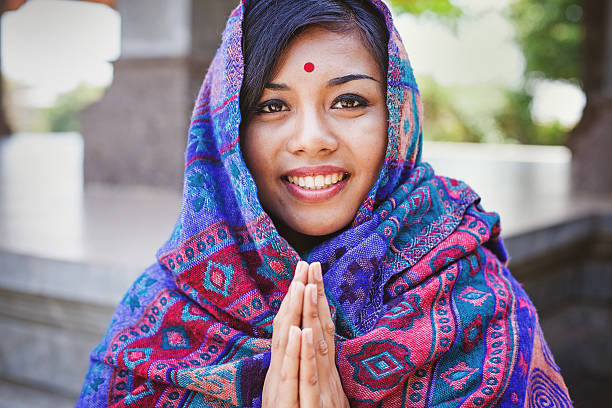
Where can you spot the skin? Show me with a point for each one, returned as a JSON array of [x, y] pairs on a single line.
[[302, 121], [302, 369], [308, 119]]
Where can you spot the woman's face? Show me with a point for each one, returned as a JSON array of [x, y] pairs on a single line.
[[316, 143]]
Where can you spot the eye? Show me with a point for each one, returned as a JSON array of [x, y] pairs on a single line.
[[271, 106], [349, 101]]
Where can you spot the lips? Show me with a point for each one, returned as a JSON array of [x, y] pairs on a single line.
[[316, 184]]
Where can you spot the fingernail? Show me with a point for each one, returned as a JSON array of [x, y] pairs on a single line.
[[313, 292], [298, 270], [317, 273], [308, 334], [293, 332]]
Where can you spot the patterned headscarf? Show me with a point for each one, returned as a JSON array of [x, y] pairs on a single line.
[[426, 312]]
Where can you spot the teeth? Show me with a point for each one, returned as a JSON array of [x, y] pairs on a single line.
[[309, 182], [317, 182]]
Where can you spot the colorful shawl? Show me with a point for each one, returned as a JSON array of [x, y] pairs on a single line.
[[427, 313]]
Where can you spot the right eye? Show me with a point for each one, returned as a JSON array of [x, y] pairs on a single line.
[[271, 106]]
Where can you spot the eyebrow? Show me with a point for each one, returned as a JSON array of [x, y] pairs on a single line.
[[331, 83], [348, 78]]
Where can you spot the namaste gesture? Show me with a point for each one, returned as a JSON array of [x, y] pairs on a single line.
[[302, 370]]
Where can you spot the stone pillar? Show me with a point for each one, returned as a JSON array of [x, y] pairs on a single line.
[[591, 140], [4, 127], [136, 133]]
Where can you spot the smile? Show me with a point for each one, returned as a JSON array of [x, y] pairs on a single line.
[[317, 182]]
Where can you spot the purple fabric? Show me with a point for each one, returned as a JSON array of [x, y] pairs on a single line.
[[426, 311]]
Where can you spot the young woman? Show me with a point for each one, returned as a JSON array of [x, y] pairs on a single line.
[[317, 261]]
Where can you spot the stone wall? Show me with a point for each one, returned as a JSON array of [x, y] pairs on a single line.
[[567, 271], [52, 313]]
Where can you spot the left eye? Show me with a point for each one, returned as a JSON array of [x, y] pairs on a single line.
[[348, 102]]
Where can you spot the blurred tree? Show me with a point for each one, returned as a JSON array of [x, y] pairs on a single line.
[[591, 140], [63, 115], [440, 7], [516, 123], [444, 120], [550, 34]]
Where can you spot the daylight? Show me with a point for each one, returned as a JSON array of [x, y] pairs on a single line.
[[51, 46]]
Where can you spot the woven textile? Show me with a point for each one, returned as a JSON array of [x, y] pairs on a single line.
[[426, 312]]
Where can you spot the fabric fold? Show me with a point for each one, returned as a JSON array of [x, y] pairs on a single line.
[[426, 312]]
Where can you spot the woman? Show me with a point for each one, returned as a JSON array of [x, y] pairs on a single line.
[[316, 260]]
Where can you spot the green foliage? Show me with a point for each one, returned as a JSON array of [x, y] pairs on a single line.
[[550, 33], [63, 116], [515, 122], [444, 120], [439, 7], [481, 114]]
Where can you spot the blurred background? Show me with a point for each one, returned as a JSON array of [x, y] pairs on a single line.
[[95, 102]]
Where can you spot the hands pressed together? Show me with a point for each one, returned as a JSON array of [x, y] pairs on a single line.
[[302, 370]]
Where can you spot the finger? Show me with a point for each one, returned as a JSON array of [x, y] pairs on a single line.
[[290, 313], [287, 391], [291, 316], [309, 390], [301, 272], [315, 276], [300, 275], [292, 303], [310, 319]]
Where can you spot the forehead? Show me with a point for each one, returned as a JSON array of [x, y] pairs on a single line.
[[326, 50]]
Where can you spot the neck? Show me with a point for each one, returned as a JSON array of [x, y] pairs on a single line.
[[302, 243]]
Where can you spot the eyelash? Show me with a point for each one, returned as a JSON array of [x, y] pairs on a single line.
[[267, 104], [361, 102], [264, 108]]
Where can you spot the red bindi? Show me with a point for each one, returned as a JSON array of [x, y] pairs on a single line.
[[309, 67]]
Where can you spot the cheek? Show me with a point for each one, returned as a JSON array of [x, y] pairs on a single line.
[[261, 154], [254, 153], [372, 144]]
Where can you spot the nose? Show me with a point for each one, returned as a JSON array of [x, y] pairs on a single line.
[[312, 135]]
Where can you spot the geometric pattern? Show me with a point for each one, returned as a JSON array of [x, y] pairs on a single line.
[[544, 392], [402, 316], [458, 375], [199, 188], [142, 391], [472, 334], [135, 356], [474, 296], [159, 352], [380, 364], [175, 338], [192, 313], [274, 268], [217, 278]]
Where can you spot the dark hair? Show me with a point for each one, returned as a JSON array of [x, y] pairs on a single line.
[[269, 26]]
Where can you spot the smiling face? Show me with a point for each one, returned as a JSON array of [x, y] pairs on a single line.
[[316, 142]]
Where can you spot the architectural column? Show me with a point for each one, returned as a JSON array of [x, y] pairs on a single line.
[[591, 140], [4, 127], [136, 133]]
